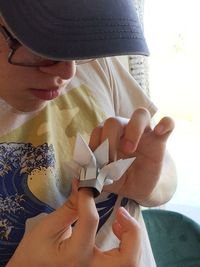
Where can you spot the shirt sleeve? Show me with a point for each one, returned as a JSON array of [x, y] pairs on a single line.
[[127, 94]]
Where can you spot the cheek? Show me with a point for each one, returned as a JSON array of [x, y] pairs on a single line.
[[63, 70], [3, 61], [11, 79], [5, 72], [4, 52], [70, 69]]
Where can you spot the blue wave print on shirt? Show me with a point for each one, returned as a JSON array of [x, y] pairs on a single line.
[[105, 209], [17, 203]]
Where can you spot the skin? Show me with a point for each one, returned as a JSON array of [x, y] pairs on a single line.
[[151, 179], [60, 245], [18, 91], [147, 181]]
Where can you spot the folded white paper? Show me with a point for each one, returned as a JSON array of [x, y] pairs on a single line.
[[94, 168]]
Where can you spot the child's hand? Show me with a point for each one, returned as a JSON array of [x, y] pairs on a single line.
[[134, 137], [53, 242]]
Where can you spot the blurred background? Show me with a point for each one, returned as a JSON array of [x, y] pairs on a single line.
[[172, 79], [172, 29]]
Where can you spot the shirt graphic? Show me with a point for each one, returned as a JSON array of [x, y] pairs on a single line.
[[21, 165]]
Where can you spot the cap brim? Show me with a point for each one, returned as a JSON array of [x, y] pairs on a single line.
[[76, 29]]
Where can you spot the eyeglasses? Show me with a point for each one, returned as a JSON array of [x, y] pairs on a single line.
[[21, 56]]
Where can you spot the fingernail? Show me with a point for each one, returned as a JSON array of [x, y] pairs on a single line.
[[159, 129], [125, 213]]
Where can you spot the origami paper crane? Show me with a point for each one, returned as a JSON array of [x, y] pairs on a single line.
[[94, 168]]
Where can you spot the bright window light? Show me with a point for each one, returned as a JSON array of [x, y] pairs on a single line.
[[172, 29]]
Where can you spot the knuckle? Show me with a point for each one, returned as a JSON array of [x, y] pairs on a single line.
[[112, 122], [93, 219], [142, 111]]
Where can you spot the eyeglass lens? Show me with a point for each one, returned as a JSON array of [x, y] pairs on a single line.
[[25, 57]]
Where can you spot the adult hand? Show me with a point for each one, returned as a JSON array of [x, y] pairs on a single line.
[[135, 137], [54, 243]]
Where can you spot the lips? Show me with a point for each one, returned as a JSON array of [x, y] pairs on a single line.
[[45, 94]]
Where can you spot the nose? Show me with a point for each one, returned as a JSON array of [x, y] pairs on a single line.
[[64, 69]]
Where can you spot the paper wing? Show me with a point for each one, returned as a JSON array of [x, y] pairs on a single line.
[[82, 153], [114, 170], [102, 154]]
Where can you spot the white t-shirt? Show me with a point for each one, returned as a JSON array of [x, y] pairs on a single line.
[[35, 147]]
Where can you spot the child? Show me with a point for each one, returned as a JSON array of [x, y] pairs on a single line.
[[50, 90]]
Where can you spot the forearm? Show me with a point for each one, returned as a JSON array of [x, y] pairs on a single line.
[[166, 185]]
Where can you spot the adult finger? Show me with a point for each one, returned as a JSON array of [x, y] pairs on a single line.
[[139, 122], [95, 138], [85, 229], [64, 216], [113, 130], [165, 127]]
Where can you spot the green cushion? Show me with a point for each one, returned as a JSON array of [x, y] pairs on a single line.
[[175, 238]]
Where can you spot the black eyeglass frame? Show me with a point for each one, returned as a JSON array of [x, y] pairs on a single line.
[[14, 44]]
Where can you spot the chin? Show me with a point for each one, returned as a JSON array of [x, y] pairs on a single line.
[[30, 108]]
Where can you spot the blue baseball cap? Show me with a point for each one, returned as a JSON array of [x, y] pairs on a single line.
[[75, 29]]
